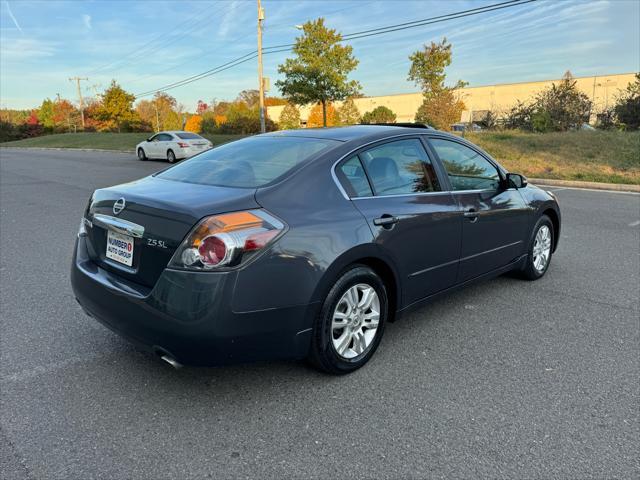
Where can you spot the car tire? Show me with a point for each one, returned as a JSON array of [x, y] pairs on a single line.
[[339, 349], [540, 249], [171, 157], [141, 155]]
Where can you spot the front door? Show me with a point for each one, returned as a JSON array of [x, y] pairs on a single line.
[[395, 186], [494, 218]]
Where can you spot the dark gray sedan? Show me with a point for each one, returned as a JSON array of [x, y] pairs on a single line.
[[304, 243]]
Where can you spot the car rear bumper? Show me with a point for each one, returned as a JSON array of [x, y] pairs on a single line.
[[188, 315]]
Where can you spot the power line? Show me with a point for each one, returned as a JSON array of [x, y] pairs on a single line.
[[347, 37]]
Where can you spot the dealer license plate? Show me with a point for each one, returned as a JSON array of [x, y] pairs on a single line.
[[120, 248]]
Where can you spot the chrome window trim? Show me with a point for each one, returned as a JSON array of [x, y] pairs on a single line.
[[346, 195], [118, 225], [333, 167]]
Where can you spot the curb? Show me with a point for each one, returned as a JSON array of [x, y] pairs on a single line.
[[62, 149], [617, 187]]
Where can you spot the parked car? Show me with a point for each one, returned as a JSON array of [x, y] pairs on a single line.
[[466, 127], [173, 145], [304, 243]]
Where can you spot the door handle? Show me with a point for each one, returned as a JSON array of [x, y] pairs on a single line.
[[472, 215], [386, 221]]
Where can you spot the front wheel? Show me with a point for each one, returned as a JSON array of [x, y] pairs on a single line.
[[141, 155], [171, 157], [351, 322], [540, 249]]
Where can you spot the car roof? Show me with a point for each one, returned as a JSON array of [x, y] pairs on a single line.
[[358, 132]]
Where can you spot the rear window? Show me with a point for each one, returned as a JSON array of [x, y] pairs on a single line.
[[188, 136], [251, 162]]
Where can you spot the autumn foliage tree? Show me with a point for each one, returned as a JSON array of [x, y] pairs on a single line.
[[440, 107], [194, 124], [322, 116], [319, 72]]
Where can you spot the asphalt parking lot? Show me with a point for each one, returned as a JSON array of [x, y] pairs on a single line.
[[507, 379]]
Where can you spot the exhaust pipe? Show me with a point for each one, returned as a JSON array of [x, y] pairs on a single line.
[[172, 361]]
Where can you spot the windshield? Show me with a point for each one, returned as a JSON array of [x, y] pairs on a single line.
[[188, 136], [251, 162]]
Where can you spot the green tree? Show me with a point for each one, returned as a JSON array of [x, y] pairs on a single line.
[[379, 114], [46, 113], [117, 106], [565, 105], [289, 117], [440, 107], [627, 109], [348, 113], [319, 71]]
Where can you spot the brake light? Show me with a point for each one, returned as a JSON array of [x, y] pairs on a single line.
[[227, 240], [183, 145]]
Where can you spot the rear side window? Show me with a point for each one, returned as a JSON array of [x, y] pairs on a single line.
[[400, 167], [466, 168], [356, 178], [251, 162], [188, 136]]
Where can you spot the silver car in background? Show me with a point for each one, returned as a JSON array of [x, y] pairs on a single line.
[[172, 146]]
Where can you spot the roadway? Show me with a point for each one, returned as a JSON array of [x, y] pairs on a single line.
[[506, 379]]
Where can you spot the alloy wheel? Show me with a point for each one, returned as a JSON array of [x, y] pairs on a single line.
[[355, 321], [542, 248]]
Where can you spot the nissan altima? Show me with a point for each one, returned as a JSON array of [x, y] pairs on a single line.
[[304, 244]]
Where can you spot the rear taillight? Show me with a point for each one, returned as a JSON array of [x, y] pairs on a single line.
[[183, 145], [227, 240]]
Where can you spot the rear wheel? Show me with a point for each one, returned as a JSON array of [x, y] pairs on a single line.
[[540, 249], [141, 155], [171, 157], [351, 322]]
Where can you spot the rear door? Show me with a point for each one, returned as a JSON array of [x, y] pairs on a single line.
[[495, 218], [396, 187]]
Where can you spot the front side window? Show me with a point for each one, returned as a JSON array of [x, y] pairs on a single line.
[[467, 169], [251, 162], [400, 167]]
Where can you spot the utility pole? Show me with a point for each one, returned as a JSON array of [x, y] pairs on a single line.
[[260, 79], [157, 116], [80, 102]]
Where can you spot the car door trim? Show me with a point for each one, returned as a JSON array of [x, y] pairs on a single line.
[[512, 244], [446, 264]]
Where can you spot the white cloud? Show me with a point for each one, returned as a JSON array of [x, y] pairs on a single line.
[[86, 19], [15, 21]]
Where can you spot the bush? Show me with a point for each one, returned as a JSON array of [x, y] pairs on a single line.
[[379, 114], [627, 109], [559, 108]]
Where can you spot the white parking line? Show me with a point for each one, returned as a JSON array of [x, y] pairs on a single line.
[[634, 224]]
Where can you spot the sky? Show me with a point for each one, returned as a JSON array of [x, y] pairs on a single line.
[[146, 44]]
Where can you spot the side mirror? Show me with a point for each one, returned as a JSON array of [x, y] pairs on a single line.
[[515, 180], [149, 139]]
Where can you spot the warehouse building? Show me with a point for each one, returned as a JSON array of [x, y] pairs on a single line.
[[602, 90]]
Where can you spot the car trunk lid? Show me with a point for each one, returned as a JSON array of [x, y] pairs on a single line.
[[156, 216]]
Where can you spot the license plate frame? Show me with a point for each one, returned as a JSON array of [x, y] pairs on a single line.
[[120, 248]]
